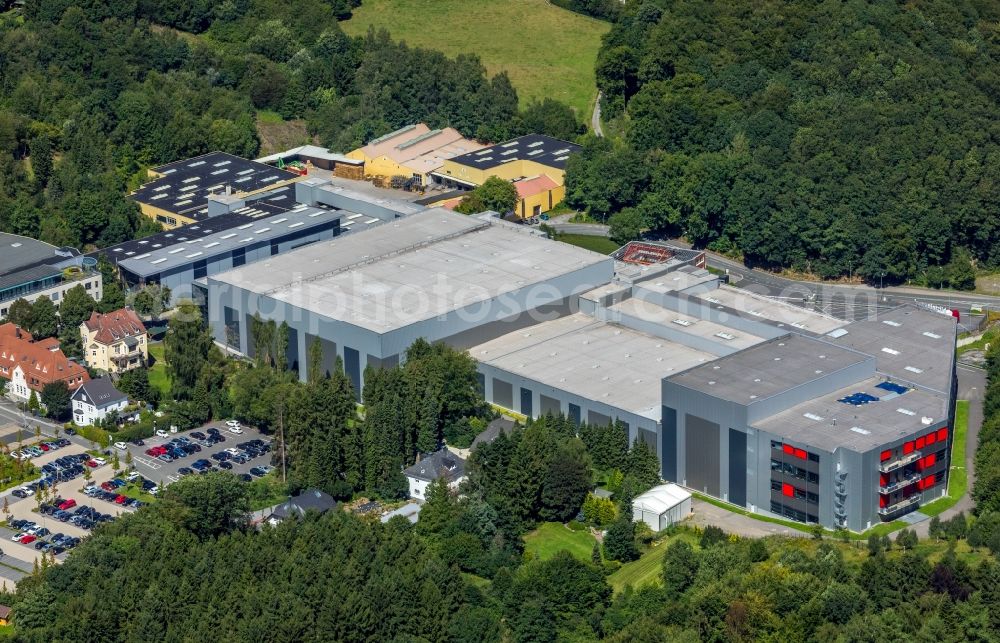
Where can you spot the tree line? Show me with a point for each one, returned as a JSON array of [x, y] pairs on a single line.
[[849, 139], [93, 94], [190, 567]]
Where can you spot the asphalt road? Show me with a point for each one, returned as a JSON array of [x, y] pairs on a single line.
[[595, 119]]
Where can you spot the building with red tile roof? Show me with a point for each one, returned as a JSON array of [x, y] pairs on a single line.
[[115, 341], [30, 365]]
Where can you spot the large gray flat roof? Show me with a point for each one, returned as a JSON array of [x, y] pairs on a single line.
[[909, 343], [411, 269], [764, 308], [724, 336], [596, 360], [828, 423], [18, 252], [768, 368]]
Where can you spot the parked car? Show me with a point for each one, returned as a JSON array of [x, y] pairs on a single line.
[[43, 532], [165, 457], [69, 431], [27, 539], [120, 500], [121, 446], [92, 463], [67, 504], [185, 471], [257, 471], [198, 435], [235, 429], [231, 423], [138, 442], [246, 477], [19, 493], [225, 465]]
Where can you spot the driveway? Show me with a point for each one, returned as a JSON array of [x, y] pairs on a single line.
[[971, 387], [705, 514]]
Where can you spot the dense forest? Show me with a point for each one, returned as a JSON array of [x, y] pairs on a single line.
[[836, 138], [93, 93]]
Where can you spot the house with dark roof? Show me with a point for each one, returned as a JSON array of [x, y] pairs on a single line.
[[115, 342], [95, 399], [493, 431], [297, 506], [440, 464]]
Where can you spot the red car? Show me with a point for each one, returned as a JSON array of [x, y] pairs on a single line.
[[92, 464], [43, 447], [107, 486], [69, 504], [27, 539], [120, 500]]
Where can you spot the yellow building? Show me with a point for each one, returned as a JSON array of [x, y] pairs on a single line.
[[115, 342], [178, 194], [414, 151], [535, 163]]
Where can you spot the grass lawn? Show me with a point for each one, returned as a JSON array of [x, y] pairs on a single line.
[[553, 537], [546, 51], [132, 490], [602, 245], [958, 480], [158, 377]]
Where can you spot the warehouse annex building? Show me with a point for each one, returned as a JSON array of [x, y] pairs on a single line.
[[178, 192], [535, 163], [413, 152], [435, 274], [773, 408]]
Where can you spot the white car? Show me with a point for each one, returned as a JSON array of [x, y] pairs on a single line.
[[100, 461], [27, 490], [161, 433], [232, 450], [121, 446], [235, 429], [232, 422], [135, 475], [16, 537]]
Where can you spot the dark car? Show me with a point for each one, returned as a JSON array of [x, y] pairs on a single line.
[[69, 431], [185, 471], [225, 465], [138, 442], [213, 431], [198, 434], [257, 471], [245, 477], [19, 493]]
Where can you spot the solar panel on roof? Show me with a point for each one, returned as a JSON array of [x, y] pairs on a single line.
[[892, 387]]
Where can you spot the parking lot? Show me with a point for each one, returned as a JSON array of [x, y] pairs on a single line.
[[18, 559], [163, 473]]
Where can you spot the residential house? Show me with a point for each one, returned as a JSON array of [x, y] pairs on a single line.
[[440, 464], [493, 431], [95, 399], [5, 612], [297, 506], [115, 342], [31, 365]]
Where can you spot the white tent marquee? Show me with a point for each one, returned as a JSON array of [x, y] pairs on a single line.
[[662, 506]]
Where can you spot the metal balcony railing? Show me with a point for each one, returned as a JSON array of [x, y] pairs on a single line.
[[899, 484], [891, 465], [905, 503]]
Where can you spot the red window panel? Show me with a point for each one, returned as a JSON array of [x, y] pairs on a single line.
[[927, 482], [931, 438], [789, 449], [883, 479], [801, 453], [908, 447], [882, 501], [920, 485], [930, 460], [886, 455], [787, 490], [942, 434], [921, 442]]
